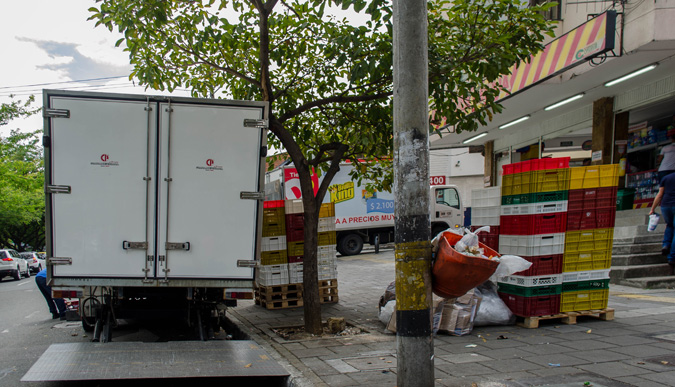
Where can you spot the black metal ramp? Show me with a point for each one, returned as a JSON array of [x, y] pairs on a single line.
[[137, 360]]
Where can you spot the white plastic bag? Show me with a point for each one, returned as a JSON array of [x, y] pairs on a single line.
[[653, 222], [437, 239], [508, 265], [386, 311], [492, 310], [469, 242]]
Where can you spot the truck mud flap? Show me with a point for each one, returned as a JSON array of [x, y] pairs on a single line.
[[159, 361]]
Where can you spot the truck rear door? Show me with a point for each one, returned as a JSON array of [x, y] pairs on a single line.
[[143, 191]]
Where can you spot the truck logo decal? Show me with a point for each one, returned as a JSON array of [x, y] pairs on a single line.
[[341, 192], [104, 163], [210, 166]]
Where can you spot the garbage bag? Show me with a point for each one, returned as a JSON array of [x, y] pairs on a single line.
[[386, 311], [508, 265], [492, 310], [469, 242]]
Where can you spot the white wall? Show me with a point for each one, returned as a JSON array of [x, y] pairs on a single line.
[[455, 162]]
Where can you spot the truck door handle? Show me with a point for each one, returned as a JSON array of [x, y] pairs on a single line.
[[178, 246]]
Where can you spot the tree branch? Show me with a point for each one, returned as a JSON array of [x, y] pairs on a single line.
[[336, 99]]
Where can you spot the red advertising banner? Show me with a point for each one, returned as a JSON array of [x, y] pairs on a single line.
[[292, 183]]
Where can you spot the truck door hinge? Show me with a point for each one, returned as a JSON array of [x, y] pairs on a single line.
[[263, 151], [126, 245], [246, 263], [178, 246], [252, 195], [255, 123], [60, 261], [54, 189], [56, 113]]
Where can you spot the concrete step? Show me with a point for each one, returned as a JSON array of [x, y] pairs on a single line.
[[632, 231], [640, 248], [662, 282], [651, 238], [639, 271], [637, 259]]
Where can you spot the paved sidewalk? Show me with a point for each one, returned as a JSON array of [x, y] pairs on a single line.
[[637, 348]]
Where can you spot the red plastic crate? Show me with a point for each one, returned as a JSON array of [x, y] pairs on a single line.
[[295, 234], [533, 224], [295, 221], [295, 259], [550, 163], [522, 166], [543, 265], [591, 218], [490, 239], [532, 306], [273, 204], [590, 198]]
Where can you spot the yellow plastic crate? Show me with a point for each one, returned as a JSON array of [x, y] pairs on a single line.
[[296, 248], [589, 240], [278, 257], [549, 180], [274, 229], [327, 210], [327, 238], [584, 300], [274, 215], [587, 260], [594, 176], [516, 183]]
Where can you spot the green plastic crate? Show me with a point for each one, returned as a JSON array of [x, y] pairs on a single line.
[[530, 291]]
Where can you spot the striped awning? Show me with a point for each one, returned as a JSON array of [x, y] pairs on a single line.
[[583, 43]]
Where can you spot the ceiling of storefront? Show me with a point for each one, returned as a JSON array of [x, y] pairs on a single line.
[[586, 78]]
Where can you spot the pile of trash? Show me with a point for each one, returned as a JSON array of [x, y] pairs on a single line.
[[465, 274]]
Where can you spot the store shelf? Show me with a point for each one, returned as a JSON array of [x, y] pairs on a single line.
[[642, 148]]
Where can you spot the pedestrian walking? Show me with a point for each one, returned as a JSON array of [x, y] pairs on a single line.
[[666, 199], [57, 306], [667, 158]]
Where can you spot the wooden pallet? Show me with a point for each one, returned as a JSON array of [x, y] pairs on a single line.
[[290, 295], [568, 317]]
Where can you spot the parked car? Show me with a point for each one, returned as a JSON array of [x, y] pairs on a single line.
[[35, 261], [12, 264]]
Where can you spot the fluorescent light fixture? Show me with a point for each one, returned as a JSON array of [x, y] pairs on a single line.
[[521, 119], [563, 102], [475, 138], [631, 75]]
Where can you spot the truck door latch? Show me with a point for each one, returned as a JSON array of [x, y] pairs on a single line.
[[178, 246], [126, 245], [54, 189]]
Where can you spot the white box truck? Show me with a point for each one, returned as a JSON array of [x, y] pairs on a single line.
[[153, 204], [365, 217]]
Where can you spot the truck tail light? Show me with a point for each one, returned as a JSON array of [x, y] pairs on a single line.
[[238, 294], [66, 293]]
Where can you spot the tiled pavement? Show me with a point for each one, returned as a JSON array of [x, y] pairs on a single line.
[[637, 348]]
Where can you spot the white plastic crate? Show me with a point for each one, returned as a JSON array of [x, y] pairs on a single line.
[[325, 252], [575, 276], [486, 197], [532, 245], [327, 261], [327, 271], [535, 280], [274, 243], [293, 206], [534, 208], [485, 216], [327, 224], [271, 275], [295, 273]]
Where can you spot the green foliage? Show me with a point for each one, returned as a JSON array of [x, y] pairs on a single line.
[[22, 182]]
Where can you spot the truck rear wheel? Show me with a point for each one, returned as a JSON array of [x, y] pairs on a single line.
[[350, 244]]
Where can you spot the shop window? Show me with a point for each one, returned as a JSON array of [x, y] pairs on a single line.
[[553, 13]]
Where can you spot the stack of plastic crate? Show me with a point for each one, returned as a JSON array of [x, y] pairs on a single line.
[[532, 225], [485, 211], [326, 250], [589, 238], [273, 268]]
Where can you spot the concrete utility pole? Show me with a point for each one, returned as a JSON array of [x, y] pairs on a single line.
[[414, 342]]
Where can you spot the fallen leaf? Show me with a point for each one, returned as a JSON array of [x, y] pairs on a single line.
[[248, 365], [641, 362], [664, 362], [588, 331]]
